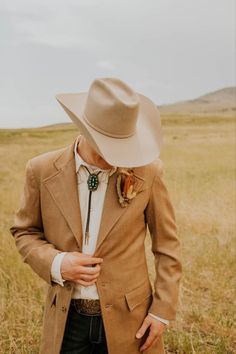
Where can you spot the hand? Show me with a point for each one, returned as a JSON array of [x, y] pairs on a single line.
[[81, 268], [156, 329]]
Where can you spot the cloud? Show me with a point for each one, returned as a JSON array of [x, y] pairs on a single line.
[[106, 65]]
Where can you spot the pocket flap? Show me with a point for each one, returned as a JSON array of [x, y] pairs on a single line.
[[138, 295]]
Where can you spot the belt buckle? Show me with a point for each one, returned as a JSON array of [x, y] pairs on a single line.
[[88, 306]]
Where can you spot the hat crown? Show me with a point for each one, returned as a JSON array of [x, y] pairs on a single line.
[[112, 108]]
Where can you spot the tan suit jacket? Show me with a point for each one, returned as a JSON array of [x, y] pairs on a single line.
[[48, 221]]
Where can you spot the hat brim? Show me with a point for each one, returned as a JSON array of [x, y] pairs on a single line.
[[137, 150]]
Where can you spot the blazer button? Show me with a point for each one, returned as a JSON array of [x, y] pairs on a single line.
[[63, 308]]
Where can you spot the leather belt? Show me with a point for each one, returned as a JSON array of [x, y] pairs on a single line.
[[87, 306]]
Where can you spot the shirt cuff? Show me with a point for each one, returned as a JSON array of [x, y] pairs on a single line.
[[159, 318], [56, 269]]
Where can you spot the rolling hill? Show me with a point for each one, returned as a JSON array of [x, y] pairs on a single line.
[[220, 102]]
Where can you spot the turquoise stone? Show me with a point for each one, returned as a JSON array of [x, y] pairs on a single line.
[[92, 182]]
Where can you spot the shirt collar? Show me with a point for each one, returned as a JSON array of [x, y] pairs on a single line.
[[79, 161]]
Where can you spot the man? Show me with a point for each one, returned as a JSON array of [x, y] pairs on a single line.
[[82, 223]]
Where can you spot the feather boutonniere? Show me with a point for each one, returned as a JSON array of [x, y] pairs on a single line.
[[125, 185]]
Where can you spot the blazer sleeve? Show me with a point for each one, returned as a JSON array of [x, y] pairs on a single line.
[[27, 229], [161, 221]]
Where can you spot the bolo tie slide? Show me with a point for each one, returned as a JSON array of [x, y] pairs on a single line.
[[92, 183]]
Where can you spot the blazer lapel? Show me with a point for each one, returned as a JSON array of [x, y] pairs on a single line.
[[112, 210], [63, 189]]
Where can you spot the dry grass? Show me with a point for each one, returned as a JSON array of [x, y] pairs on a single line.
[[199, 164]]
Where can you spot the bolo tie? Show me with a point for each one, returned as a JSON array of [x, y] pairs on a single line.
[[92, 183]]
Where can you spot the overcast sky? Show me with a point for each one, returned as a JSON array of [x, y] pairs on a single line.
[[166, 49]]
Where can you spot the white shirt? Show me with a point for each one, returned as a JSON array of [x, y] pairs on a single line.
[[97, 201]]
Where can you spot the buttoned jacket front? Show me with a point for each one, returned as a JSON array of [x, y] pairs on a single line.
[[48, 221]]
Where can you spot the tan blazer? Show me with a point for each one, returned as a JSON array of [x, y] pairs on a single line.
[[48, 221]]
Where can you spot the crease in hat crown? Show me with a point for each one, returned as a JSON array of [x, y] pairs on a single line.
[[112, 108]]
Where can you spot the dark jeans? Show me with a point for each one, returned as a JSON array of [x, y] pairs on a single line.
[[84, 334]]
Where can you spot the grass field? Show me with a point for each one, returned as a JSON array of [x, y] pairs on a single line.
[[199, 159]]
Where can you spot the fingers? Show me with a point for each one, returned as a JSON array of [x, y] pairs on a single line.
[[151, 340], [89, 270], [143, 328], [86, 280], [79, 266], [87, 277], [153, 336], [87, 260]]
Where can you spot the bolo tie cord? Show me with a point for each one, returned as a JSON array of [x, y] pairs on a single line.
[[92, 183]]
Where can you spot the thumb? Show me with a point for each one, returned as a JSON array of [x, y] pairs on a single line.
[[143, 328]]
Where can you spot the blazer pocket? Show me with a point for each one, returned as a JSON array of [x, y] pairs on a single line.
[[136, 296]]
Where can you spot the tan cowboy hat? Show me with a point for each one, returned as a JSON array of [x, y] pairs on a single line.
[[123, 126]]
